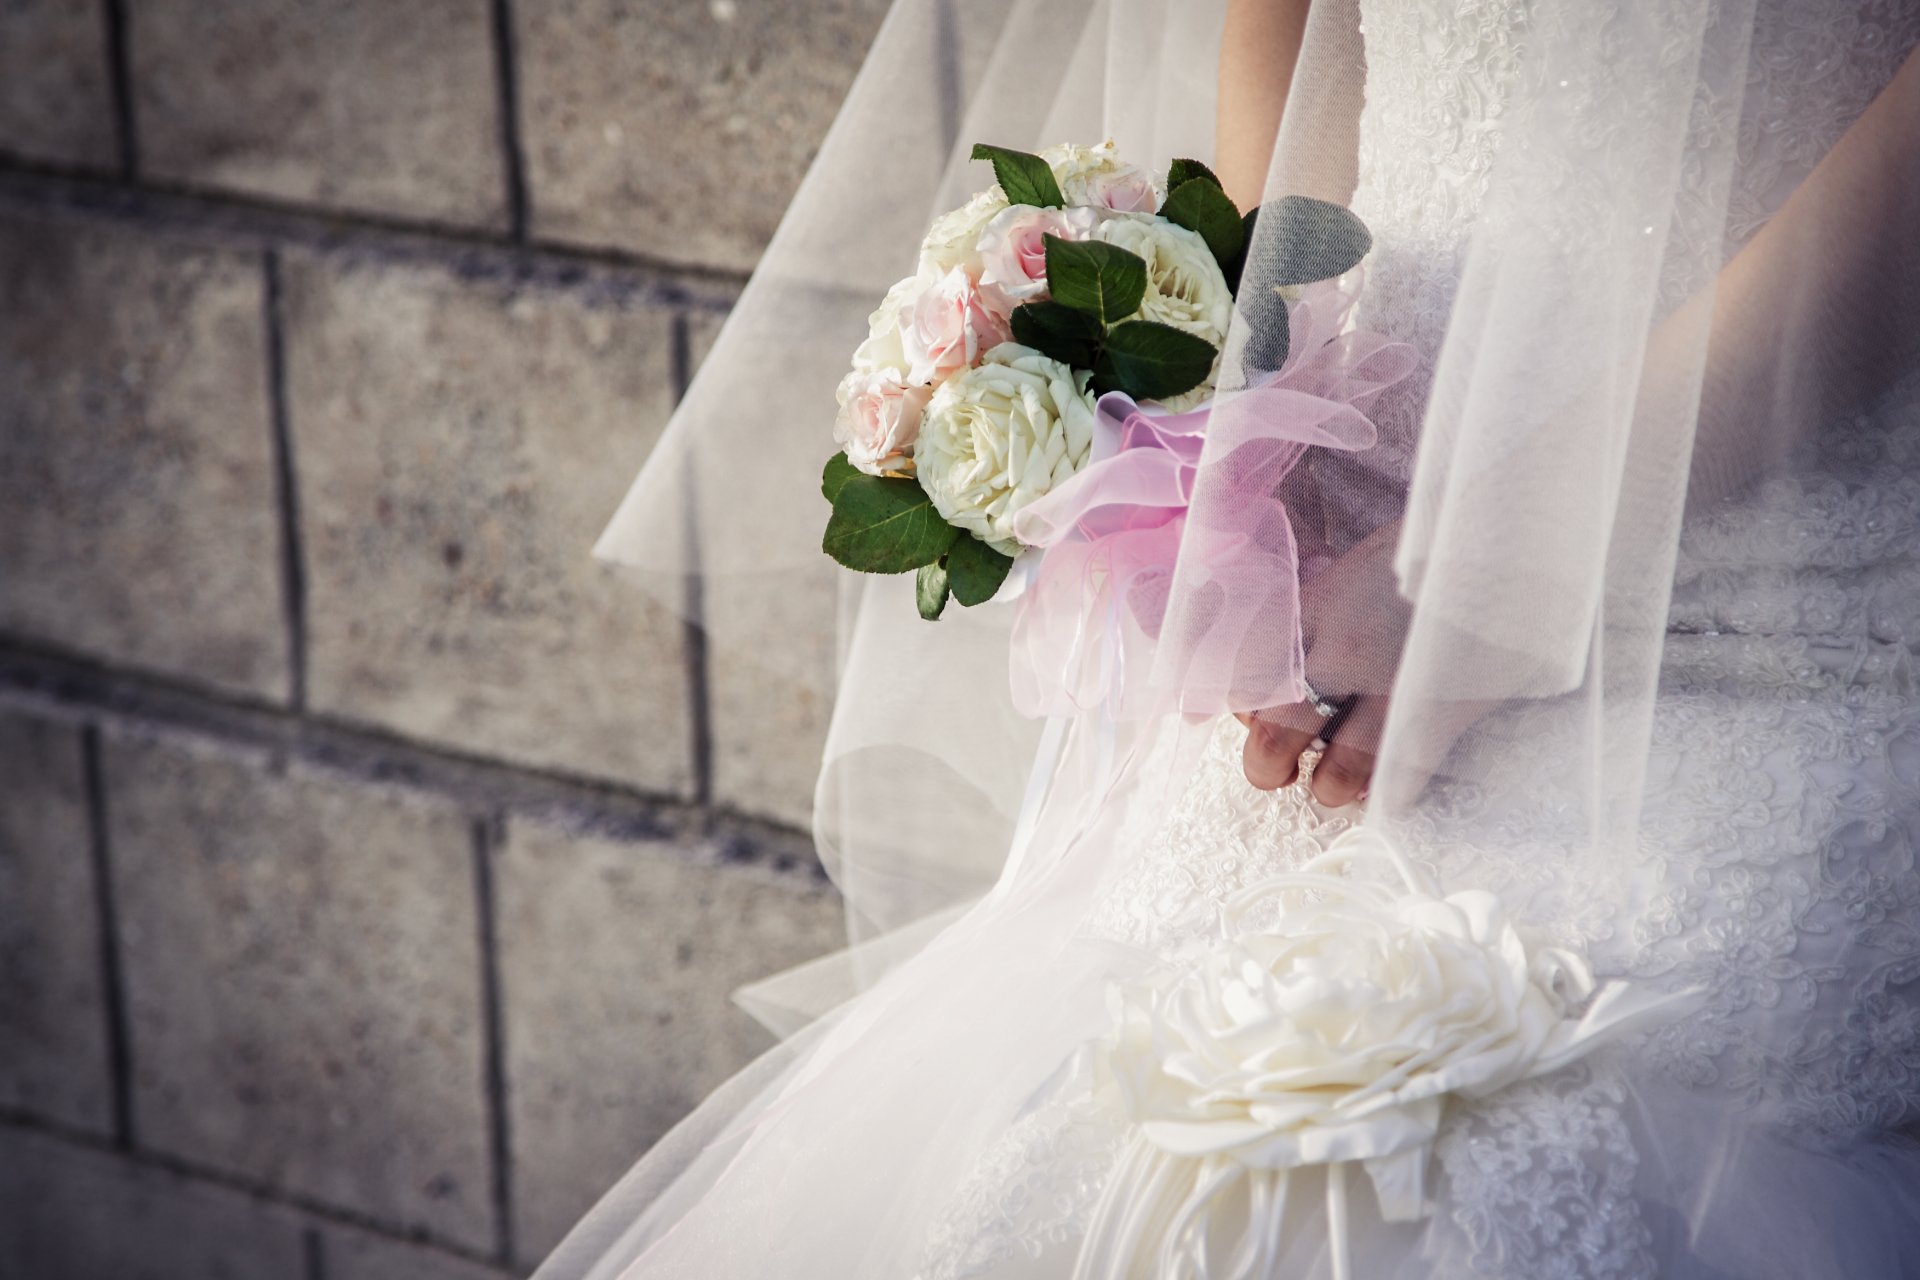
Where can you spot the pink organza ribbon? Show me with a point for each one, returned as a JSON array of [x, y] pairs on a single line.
[[1091, 618]]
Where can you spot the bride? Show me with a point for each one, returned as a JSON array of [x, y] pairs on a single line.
[[1533, 891]]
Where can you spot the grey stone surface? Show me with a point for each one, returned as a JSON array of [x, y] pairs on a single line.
[[355, 104], [53, 1052], [302, 981], [768, 725], [55, 104], [137, 513], [363, 1255], [616, 961], [461, 443], [73, 1213], [702, 328], [679, 128]]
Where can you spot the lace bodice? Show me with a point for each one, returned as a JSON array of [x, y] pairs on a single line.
[[1442, 75], [1780, 867]]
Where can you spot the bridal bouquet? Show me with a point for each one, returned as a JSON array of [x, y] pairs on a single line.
[[1076, 276]]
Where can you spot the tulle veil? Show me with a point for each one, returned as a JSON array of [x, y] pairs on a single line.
[[1608, 363]]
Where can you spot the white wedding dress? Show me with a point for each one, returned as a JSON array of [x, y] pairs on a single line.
[[1779, 868], [945, 1125]]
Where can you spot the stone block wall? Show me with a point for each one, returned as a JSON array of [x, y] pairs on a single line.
[[373, 864]]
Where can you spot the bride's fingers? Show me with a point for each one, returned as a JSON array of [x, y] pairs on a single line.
[[1346, 769], [1275, 740]]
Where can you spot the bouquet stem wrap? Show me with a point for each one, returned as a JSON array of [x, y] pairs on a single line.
[[1088, 622]]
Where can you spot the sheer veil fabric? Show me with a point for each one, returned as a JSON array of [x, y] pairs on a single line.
[[1632, 572]]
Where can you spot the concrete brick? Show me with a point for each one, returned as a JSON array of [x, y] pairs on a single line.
[[78, 1214], [303, 985], [137, 513], [679, 129], [461, 444], [616, 961], [362, 1255], [769, 723], [355, 104], [702, 328], [55, 103], [53, 1053]]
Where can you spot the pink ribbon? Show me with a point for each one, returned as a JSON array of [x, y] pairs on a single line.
[[1089, 623]]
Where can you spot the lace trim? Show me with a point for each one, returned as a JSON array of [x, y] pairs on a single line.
[[1540, 1181], [1034, 1190]]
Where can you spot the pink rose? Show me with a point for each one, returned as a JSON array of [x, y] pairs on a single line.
[[1097, 176], [948, 326], [1127, 190], [1013, 250], [879, 421]]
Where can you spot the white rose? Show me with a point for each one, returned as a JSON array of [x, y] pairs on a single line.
[[882, 349], [996, 437], [954, 238], [1184, 285], [879, 421], [1097, 176]]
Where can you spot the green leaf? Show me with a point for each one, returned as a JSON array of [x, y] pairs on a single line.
[[1025, 177], [1056, 330], [1305, 240], [930, 588], [1204, 207], [1181, 172], [838, 471], [1232, 273], [1152, 361], [976, 570], [1103, 280], [885, 526]]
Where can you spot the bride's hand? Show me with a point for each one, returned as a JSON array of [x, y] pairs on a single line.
[[1355, 624]]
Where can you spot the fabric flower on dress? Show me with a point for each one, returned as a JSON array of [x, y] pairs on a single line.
[[1342, 1007]]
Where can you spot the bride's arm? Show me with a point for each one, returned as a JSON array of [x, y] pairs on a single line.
[[1820, 312], [1817, 315], [1258, 49]]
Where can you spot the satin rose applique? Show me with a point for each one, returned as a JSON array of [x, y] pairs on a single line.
[[1341, 1008]]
